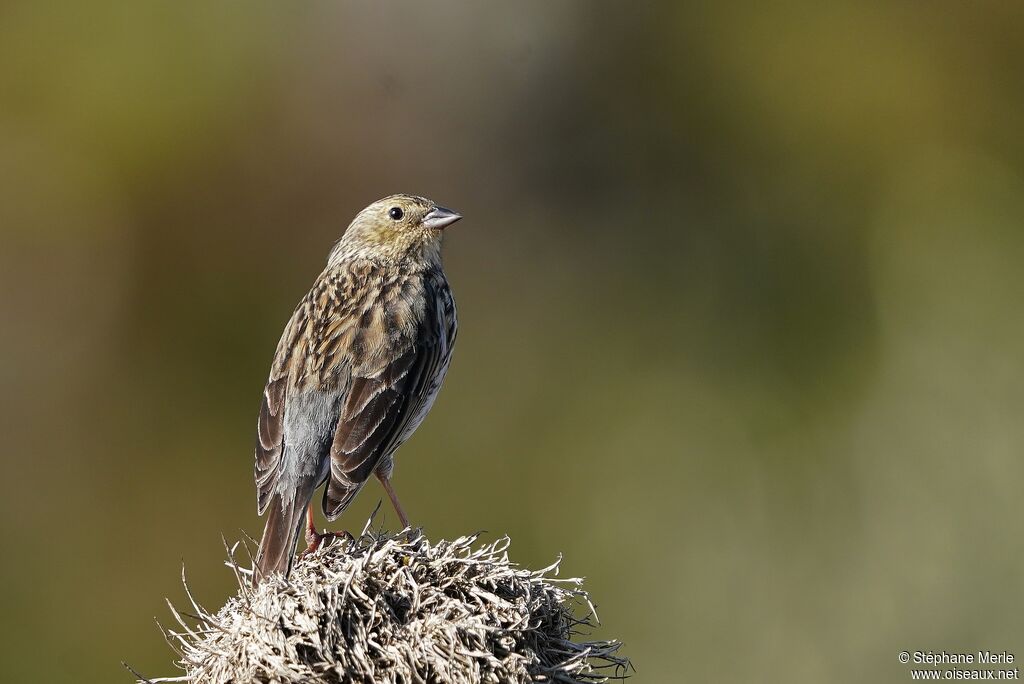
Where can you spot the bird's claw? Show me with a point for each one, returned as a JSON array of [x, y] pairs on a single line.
[[314, 539]]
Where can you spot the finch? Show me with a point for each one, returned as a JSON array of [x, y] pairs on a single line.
[[356, 371]]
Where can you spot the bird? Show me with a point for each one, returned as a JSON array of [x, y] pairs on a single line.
[[356, 371]]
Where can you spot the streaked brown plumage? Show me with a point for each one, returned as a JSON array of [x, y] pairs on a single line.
[[357, 369]]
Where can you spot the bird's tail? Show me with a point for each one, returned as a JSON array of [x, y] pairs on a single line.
[[277, 547]]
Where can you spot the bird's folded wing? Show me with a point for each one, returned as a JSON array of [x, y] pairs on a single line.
[[270, 424], [375, 415], [270, 440]]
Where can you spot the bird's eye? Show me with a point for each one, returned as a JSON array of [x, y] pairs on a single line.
[[396, 213]]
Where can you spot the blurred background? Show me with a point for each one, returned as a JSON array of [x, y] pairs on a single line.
[[739, 294]]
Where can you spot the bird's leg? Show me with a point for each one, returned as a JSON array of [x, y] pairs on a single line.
[[314, 539], [386, 481], [312, 536]]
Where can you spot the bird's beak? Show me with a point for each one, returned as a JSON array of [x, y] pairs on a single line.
[[440, 218]]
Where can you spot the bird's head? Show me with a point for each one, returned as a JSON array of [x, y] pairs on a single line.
[[399, 228]]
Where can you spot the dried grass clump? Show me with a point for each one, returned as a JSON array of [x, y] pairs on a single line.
[[384, 608]]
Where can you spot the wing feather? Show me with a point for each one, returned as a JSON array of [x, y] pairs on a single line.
[[270, 442], [378, 410], [270, 423]]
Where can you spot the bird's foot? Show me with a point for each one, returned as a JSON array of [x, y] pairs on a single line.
[[314, 539]]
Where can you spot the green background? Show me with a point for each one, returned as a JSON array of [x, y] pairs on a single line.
[[740, 296]]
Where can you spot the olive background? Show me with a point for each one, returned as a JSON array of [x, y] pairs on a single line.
[[739, 287]]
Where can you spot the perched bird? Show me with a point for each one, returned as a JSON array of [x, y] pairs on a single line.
[[356, 371]]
